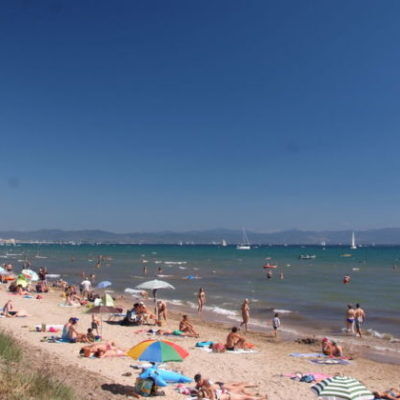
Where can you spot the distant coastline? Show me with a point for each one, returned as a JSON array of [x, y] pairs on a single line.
[[372, 237]]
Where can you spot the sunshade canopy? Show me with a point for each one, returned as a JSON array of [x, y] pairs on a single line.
[[157, 351], [342, 387], [154, 285]]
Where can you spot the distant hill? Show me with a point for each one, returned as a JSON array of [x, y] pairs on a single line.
[[386, 236]]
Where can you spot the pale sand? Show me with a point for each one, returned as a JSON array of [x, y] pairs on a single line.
[[263, 368]]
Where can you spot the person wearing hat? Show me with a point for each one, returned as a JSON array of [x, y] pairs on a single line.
[[70, 332]]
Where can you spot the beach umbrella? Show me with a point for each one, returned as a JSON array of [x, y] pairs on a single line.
[[157, 351], [154, 285], [103, 284], [30, 274], [342, 387], [106, 306], [3, 271], [22, 281]]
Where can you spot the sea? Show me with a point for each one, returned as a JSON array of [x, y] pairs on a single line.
[[312, 295]]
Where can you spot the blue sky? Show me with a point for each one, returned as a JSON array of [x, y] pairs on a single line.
[[152, 115]]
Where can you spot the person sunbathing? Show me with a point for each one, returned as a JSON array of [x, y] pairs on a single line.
[[187, 328], [101, 350], [8, 311], [234, 340], [331, 349], [234, 391], [391, 394]]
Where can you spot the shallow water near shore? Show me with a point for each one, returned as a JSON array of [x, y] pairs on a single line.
[[311, 296]]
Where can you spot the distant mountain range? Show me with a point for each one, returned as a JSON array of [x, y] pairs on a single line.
[[385, 236]]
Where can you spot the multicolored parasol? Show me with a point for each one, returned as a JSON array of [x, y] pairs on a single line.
[[157, 351]]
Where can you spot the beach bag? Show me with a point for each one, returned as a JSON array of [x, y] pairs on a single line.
[[144, 387], [307, 378]]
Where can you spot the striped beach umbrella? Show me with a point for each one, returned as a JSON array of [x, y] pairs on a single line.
[[342, 387], [157, 351]]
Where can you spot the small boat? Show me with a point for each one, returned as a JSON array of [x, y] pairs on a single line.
[[224, 243], [270, 266], [346, 255], [245, 245], [307, 256]]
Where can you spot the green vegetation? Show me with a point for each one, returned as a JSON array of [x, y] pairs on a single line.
[[9, 350], [18, 381]]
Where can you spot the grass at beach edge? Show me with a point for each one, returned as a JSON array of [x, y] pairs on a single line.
[[19, 381]]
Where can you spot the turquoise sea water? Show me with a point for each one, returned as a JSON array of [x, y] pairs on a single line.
[[312, 289]]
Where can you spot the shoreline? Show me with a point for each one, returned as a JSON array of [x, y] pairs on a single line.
[[264, 368]]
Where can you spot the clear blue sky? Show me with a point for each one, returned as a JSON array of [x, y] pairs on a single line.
[[150, 115]]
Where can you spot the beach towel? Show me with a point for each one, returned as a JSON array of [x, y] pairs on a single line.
[[330, 361], [204, 344], [317, 376], [307, 355], [68, 305]]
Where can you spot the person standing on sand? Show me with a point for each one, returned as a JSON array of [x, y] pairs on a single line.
[[359, 319], [201, 299], [245, 313], [350, 319], [276, 323], [161, 310]]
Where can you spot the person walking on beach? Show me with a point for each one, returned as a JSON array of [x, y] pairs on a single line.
[[201, 299], [276, 323], [350, 319], [359, 319], [245, 313], [161, 310]]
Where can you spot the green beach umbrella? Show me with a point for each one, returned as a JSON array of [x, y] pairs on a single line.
[[342, 388]]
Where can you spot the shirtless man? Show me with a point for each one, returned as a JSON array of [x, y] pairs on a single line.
[[234, 340], [350, 319], [201, 300], [359, 319], [245, 313], [161, 310], [186, 326]]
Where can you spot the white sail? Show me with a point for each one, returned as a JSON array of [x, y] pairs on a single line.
[[224, 243], [353, 242], [245, 244]]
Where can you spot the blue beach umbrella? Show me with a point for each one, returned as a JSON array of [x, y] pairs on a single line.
[[103, 284]]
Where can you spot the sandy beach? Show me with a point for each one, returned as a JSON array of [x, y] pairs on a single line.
[[263, 368]]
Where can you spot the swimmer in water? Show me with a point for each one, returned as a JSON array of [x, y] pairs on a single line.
[[269, 274], [346, 279]]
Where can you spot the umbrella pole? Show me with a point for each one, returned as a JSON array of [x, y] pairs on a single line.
[[155, 303]]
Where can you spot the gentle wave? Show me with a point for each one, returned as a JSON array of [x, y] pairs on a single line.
[[281, 311], [221, 311], [176, 302], [175, 262]]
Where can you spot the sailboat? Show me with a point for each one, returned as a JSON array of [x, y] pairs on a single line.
[[353, 242], [224, 243], [245, 244]]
